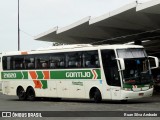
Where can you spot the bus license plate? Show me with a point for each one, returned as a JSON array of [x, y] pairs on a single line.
[[141, 94]]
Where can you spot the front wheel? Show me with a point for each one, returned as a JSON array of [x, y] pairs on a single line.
[[21, 93], [31, 94], [97, 96]]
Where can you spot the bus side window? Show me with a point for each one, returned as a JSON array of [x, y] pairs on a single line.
[[44, 65], [52, 65], [97, 63], [71, 64], [18, 62], [8, 63], [29, 62], [78, 64], [57, 60], [4, 63], [30, 65], [74, 60], [88, 63], [61, 64], [91, 59], [42, 61]]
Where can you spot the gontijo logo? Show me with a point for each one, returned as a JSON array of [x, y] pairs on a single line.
[[78, 74], [89, 74]]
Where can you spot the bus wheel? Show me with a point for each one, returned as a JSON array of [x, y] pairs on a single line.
[[97, 96], [21, 93], [30, 94]]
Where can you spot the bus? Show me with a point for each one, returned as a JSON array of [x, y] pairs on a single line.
[[82, 71]]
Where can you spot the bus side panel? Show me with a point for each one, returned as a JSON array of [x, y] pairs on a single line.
[[70, 89], [49, 90], [10, 86], [79, 89], [63, 89], [5, 87]]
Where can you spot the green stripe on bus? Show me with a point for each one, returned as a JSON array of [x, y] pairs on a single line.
[[60, 74], [76, 74], [14, 75], [25, 74], [40, 74], [44, 84]]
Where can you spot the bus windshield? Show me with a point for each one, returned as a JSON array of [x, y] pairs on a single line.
[[136, 66]]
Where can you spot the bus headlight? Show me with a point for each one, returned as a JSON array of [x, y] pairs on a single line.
[[128, 89]]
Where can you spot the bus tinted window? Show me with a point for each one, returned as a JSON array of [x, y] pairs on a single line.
[[7, 63], [57, 61], [42, 61], [4, 61], [18, 62], [74, 60], [91, 59], [29, 62], [79, 59]]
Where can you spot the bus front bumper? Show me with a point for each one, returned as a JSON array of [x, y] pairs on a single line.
[[135, 95]]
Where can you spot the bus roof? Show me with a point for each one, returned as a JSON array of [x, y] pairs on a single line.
[[67, 48]]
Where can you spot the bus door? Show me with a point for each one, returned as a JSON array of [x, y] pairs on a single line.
[[111, 72], [115, 84]]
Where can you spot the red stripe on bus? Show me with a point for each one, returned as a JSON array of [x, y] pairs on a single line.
[[94, 74], [33, 74], [46, 75], [37, 84]]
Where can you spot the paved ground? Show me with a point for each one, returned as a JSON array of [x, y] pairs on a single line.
[[11, 103], [145, 104]]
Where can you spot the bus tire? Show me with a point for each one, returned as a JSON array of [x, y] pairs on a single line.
[[97, 96], [31, 94], [21, 93]]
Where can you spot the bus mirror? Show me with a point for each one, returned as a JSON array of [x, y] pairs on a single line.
[[122, 65], [154, 62]]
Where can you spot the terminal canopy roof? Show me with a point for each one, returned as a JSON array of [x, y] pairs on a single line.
[[133, 22]]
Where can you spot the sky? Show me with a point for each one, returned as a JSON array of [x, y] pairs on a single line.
[[38, 16]]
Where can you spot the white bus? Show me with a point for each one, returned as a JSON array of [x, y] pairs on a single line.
[[101, 72]]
